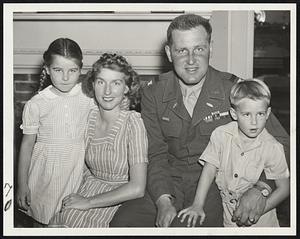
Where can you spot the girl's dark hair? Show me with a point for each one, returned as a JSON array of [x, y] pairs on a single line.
[[117, 63], [63, 47]]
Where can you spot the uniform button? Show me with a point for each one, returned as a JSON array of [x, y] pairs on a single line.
[[242, 154], [66, 106], [235, 175], [66, 115]]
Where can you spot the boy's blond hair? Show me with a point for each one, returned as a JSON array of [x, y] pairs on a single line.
[[254, 89]]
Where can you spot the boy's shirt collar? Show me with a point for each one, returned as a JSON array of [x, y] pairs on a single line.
[[234, 131]]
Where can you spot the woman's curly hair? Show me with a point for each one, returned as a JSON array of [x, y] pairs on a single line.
[[117, 63]]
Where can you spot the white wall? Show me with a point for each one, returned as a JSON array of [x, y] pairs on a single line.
[[138, 38]]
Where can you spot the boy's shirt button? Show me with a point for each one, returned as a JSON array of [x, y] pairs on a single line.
[[235, 175], [242, 154]]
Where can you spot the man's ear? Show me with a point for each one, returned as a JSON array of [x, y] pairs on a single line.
[[233, 113], [268, 112], [211, 49], [168, 52]]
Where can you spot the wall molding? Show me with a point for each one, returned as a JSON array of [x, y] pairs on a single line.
[[104, 15], [96, 52], [144, 61]]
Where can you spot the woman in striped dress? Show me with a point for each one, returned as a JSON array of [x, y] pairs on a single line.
[[116, 149]]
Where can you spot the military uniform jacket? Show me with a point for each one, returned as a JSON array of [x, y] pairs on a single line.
[[174, 136]]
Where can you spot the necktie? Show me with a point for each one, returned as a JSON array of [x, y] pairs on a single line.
[[190, 102]]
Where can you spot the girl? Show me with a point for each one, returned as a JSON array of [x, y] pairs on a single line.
[[116, 152], [52, 149]]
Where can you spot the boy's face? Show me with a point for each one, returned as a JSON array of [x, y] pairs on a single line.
[[251, 116]]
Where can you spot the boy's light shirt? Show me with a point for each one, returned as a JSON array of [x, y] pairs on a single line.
[[239, 169], [242, 167]]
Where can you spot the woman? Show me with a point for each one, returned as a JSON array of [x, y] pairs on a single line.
[[116, 148]]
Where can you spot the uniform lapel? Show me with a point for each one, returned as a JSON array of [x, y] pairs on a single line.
[[173, 97], [211, 96]]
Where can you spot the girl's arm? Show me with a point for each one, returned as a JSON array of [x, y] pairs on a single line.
[[135, 188], [23, 193], [279, 194]]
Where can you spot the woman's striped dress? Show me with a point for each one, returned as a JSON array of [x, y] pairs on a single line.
[[58, 156], [108, 159]]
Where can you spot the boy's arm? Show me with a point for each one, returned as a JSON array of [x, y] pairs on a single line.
[[281, 192], [207, 176]]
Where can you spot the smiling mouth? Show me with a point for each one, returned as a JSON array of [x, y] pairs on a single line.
[[192, 69], [108, 98]]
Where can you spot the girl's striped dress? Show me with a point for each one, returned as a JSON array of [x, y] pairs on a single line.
[[57, 160], [108, 160]]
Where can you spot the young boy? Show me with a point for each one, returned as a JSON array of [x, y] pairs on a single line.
[[238, 152]]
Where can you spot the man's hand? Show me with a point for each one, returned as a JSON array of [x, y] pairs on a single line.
[[166, 212], [250, 208]]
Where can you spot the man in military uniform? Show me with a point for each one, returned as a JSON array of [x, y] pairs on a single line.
[[180, 110]]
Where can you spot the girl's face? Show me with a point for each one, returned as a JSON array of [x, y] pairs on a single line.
[[64, 73], [110, 88], [251, 116]]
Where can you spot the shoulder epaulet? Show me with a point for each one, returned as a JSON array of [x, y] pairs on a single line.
[[154, 80], [233, 78]]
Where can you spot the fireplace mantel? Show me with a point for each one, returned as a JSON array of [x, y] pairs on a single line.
[[139, 36]]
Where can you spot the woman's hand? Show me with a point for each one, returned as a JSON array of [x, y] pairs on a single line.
[[75, 201], [23, 197]]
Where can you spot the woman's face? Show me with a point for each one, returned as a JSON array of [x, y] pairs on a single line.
[[110, 88]]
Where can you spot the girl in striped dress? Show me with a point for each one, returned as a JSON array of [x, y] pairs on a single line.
[[52, 151], [116, 149]]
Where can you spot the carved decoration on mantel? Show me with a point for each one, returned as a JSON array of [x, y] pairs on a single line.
[[95, 52]]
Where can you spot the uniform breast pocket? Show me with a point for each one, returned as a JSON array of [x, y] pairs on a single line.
[[171, 127]]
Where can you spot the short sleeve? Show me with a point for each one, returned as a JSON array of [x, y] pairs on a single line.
[[137, 139], [30, 118], [276, 166], [212, 152]]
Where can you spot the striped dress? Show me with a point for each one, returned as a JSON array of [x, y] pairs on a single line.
[[108, 159], [58, 156]]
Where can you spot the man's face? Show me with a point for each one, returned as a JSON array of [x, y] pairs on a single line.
[[189, 53]]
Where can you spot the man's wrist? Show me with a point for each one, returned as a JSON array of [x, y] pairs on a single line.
[[164, 198]]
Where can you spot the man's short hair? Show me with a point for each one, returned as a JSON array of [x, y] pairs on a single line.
[[187, 22], [254, 89]]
